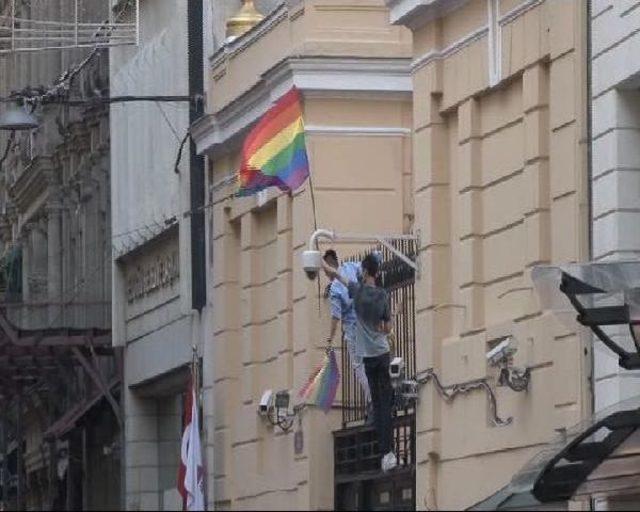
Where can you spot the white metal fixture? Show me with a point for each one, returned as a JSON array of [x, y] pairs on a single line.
[[501, 356], [312, 259], [266, 403], [502, 351], [396, 368]]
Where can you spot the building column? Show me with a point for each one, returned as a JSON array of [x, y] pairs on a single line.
[[285, 285], [54, 263], [25, 240], [93, 255], [141, 456], [470, 280], [432, 196]]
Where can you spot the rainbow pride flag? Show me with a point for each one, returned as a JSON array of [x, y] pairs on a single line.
[[322, 386], [274, 153]]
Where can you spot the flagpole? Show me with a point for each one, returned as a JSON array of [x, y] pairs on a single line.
[[195, 382]]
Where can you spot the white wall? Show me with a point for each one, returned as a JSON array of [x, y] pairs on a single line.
[[145, 137], [616, 164], [143, 142]]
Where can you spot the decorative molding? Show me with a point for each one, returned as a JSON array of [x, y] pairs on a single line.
[[493, 29], [518, 11], [450, 50], [495, 42], [417, 13], [359, 131], [313, 76]]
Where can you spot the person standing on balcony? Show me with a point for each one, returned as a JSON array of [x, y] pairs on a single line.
[[342, 311], [373, 324]]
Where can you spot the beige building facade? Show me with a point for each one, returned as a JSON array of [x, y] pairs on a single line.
[[500, 183], [462, 123], [352, 68]]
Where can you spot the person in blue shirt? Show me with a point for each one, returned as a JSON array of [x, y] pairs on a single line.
[[342, 311], [372, 329]]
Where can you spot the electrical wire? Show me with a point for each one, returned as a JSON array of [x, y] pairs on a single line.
[[176, 165], [63, 83], [448, 393], [166, 119]]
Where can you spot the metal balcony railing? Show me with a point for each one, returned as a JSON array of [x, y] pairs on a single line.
[[398, 279], [48, 315]]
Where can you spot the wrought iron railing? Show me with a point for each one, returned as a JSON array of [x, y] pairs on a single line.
[[356, 449], [398, 279]]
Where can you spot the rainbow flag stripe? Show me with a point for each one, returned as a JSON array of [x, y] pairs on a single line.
[[274, 152], [322, 386]]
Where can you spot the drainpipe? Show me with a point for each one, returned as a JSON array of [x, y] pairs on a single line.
[[589, 72], [196, 162], [589, 130]]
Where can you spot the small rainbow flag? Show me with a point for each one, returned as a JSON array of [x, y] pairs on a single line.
[[322, 386], [274, 153]]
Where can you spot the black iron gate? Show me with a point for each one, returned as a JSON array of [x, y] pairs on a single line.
[[359, 482]]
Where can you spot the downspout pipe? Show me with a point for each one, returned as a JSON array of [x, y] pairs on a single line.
[[589, 72]]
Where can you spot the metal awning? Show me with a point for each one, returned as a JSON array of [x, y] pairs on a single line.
[[69, 420], [557, 472], [604, 297], [30, 356]]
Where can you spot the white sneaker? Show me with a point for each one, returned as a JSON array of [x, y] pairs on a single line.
[[389, 462]]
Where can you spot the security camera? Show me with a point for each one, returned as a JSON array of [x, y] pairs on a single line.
[[502, 351], [265, 403], [311, 263], [409, 390], [282, 399], [396, 367]]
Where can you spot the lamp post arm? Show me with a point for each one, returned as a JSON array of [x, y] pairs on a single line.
[[399, 254], [355, 237], [320, 233]]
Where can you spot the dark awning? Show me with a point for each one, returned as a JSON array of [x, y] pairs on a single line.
[[557, 472], [603, 296]]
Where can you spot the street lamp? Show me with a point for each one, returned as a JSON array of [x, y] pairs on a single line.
[[16, 118]]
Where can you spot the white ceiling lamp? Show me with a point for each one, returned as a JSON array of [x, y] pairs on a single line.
[[17, 118]]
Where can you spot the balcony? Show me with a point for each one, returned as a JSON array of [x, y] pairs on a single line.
[[398, 279], [58, 315], [359, 481]]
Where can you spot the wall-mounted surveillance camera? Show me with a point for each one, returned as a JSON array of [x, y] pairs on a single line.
[[502, 351], [409, 390], [396, 368], [311, 263], [282, 400], [265, 403]]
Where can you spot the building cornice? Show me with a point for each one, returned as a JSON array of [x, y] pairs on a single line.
[[450, 50], [417, 13], [518, 11], [473, 36], [314, 76]]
